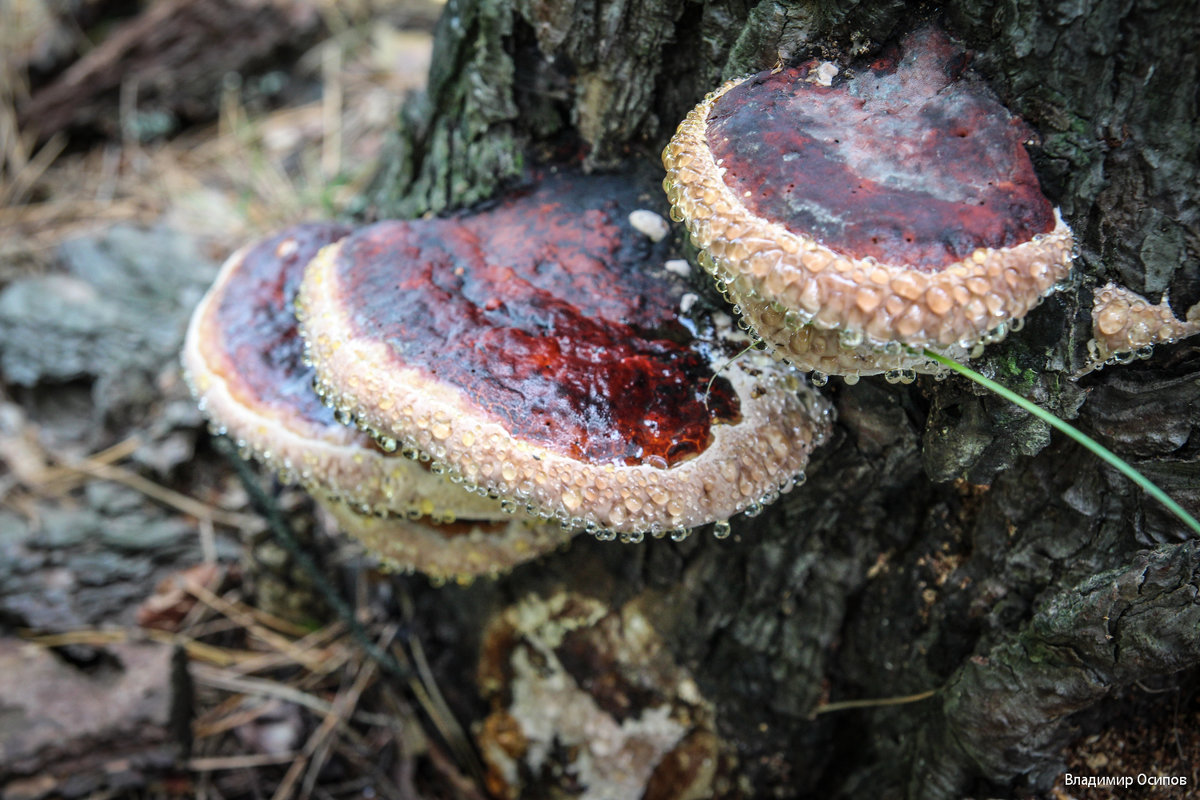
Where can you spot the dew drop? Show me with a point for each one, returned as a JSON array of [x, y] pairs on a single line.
[[722, 529], [850, 339]]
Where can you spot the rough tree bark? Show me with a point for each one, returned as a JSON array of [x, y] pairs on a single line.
[[945, 539]]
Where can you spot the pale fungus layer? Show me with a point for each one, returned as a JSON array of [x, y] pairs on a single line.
[[244, 361], [1126, 325], [449, 551], [858, 223], [534, 351]]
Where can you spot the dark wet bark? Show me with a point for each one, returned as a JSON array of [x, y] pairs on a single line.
[[945, 539]]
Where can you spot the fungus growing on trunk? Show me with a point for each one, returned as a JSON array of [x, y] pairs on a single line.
[[1126, 325], [244, 361], [856, 220], [535, 350], [451, 550]]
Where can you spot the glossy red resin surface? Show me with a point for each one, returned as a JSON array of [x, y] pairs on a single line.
[[257, 323], [551, 315], [907, 161]]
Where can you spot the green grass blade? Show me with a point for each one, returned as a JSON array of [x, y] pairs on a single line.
[[1091, 444]]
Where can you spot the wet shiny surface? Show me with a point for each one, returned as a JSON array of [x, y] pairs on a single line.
[[256, 320], [551, 315], [907, 161]]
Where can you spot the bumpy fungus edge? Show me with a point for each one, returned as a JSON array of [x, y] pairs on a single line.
[[407, 516], [329, 460], [449, 552], [746, 465], [831, 312], [1126, 325]]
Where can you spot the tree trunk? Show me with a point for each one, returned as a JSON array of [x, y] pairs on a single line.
[[945, 540]]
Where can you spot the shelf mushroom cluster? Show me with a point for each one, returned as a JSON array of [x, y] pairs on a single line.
[[545, 371], [244, 362], [489, 383], [857, 220], [536, 351]]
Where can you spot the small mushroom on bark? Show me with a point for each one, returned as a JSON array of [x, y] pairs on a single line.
[[1126, 325], [859, 219], [534, 350], [244, 361]]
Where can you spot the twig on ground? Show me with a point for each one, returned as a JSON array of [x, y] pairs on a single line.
[[316, 662]]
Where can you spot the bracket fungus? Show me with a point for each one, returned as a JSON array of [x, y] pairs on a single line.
[[534, 351], [856, 220], [1126, 325], [244, 362]]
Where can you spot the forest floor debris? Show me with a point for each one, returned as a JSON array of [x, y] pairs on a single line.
[[108, 235]]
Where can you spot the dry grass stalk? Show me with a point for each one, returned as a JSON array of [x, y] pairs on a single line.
[[161, 494], [199, 652], [316, 749], [247, 174], [316, 661]]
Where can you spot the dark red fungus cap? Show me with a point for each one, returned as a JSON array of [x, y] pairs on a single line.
[[244, 361], [535, 350], [852, 218]]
